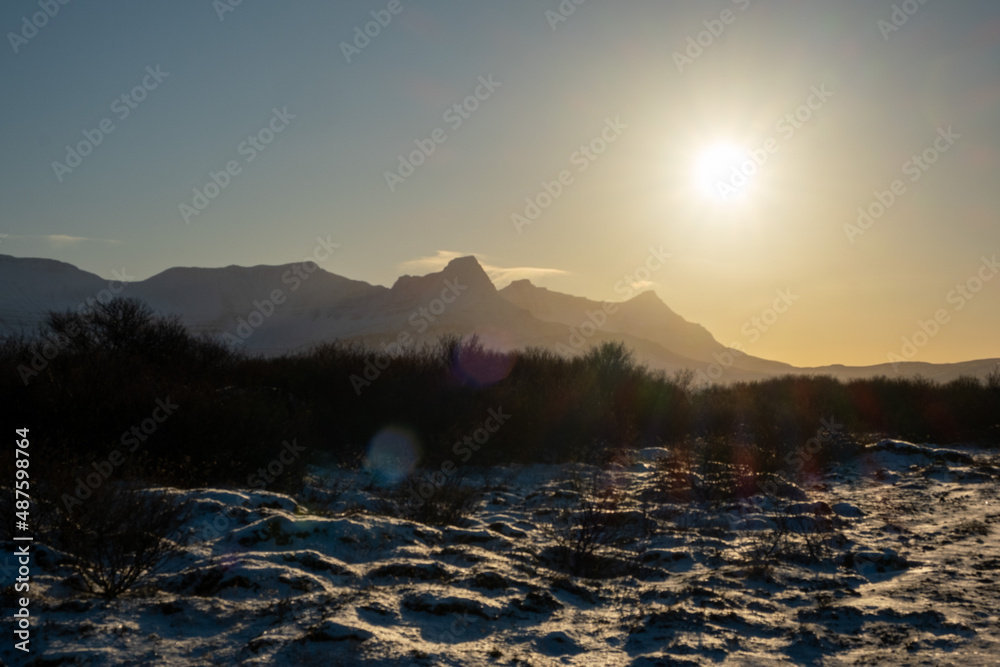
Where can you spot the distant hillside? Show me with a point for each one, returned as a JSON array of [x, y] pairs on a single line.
[[284, 308]]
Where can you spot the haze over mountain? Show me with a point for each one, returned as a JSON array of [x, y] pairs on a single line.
[[278, 309]]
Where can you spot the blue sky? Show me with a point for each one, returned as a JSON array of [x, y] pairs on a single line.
[[323, 175]]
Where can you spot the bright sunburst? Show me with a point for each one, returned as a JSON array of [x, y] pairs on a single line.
[[718, 172]]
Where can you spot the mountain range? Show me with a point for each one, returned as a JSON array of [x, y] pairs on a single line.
[[288, 308]]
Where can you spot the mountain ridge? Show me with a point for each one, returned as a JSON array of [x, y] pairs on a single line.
[[300, 305]]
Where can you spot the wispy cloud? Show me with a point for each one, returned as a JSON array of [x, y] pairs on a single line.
[[431, 264], [503, 276], [500, 275], [63, 240]]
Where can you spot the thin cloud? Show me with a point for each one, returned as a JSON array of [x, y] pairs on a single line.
[[503, 276], [63, 240], [60, 240], [431, 264], [500, 275]]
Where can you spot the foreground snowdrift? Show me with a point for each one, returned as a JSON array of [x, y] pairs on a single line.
[[889, 558]]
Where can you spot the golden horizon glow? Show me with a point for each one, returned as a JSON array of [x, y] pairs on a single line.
[[827, 119]]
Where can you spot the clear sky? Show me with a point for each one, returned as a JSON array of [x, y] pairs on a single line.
[[664, 118]]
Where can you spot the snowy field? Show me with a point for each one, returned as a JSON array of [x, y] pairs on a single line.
[[890, 558]]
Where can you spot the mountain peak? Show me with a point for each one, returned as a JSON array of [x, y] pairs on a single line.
[[470, 272], [464, 272], [468, 263], [523, 285], [39, 264], [649, 296]]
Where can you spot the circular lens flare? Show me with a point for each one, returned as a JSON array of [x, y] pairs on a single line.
[[392, 455]]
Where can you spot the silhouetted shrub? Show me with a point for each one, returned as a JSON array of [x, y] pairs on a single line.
[[236, 410], [116, 537], [120, 327], [584, 527], [444, 502]]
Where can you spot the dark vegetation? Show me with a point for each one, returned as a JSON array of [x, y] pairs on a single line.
[[116, 539], [121, 399], [235, 411]]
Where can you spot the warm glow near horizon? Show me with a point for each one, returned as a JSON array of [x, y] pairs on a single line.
[[798, 157]]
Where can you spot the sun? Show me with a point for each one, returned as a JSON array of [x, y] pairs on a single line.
[[718, 173]]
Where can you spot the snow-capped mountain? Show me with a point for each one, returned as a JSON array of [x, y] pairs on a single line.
[[277, 309]]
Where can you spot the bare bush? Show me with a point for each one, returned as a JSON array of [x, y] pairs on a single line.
[[584, 527], [993, 379], [117, 537], [446, 501], [791, 537], [698, 472]]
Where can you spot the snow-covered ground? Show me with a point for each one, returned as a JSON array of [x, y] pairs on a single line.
[[890, 558]]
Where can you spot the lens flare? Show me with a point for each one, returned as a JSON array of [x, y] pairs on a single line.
[[479, 366], [392, 455]]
